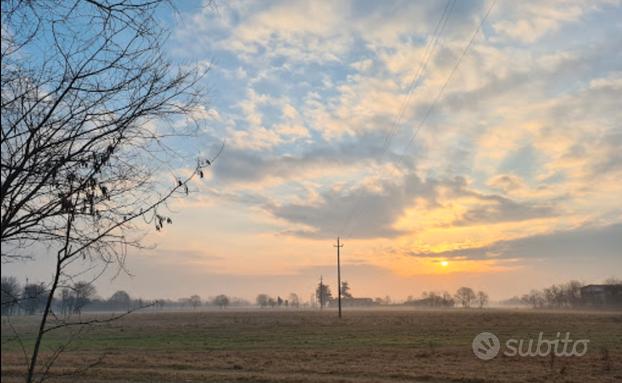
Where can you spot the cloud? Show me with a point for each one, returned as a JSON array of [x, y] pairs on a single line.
[[323, 117], [493, 209], [240, 165], [362, 65], [298, 30], [506, 182], [372, 212], [585, 242], [364, 211], [531, 21]]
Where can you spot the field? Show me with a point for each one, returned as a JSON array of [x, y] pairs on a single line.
[[305, 346]]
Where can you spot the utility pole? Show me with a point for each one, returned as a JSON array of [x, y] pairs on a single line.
[[338, 246], [321, 292]]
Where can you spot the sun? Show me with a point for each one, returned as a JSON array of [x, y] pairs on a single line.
[[444, 263]]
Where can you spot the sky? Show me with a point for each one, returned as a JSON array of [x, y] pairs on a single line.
[[448, 143]]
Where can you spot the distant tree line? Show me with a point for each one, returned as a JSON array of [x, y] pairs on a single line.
[[558, 296], [265, 300], [30, 299], [465, 297], [221, 301]]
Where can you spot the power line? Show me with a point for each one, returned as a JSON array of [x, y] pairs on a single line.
[[428, 52], [442, 22], [440, 93], [451, 74]]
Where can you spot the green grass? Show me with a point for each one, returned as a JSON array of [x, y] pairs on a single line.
[[255, 344]]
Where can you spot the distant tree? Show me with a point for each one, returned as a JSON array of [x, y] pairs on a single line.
[[195, 301], [279, 301], [572, 293], [221, 301], [294, 301], [345, 290], [565, 295], [383, 301], [66, 302], [159, 304], [120, 300], [33, 298], [561, 295], [10, 295], [262, 300], [83, 292], [513, 301], [482, 299], [535, 298], [465, 296], [432, 299], [272, 302], [553, 296], [323, 294], [448, 301]]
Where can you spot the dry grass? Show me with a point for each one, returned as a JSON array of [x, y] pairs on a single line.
[[373, 346]]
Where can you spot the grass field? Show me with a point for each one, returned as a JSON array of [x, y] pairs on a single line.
[[305, 346]]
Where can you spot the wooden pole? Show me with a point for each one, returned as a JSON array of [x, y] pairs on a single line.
[[339, 246]]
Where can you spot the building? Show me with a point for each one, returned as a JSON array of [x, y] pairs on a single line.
[[602, 295]]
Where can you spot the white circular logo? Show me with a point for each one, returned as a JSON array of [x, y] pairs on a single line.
[[486, 345]]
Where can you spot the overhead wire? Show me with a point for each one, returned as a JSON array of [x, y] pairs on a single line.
[[427, 55], [436, 99], [451, 74]]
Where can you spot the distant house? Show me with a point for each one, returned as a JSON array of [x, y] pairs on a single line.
[[602, 295]]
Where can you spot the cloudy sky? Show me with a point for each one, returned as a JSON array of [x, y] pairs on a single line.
[[448, 143]]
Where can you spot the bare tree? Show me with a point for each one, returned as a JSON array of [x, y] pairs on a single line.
[[323, 294], [83, 85], [121, 300], [345, 290], [482, 299], [66, 302], [293, 300], [465, 296], [271, 302], [83, 292], [33, 298], [572, 293], [432, 299], [262, 300], [10, 295], [195, 301], [221, 301], [535, 298]]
